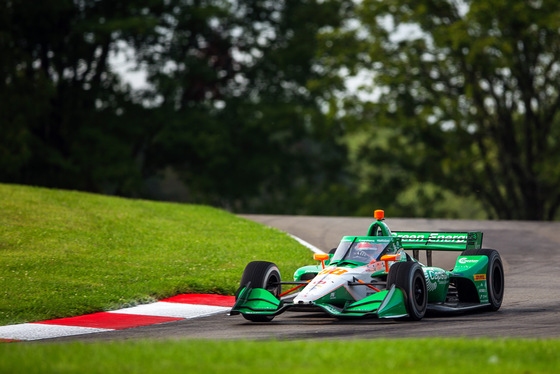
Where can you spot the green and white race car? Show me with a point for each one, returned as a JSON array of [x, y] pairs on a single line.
[[374, 276]]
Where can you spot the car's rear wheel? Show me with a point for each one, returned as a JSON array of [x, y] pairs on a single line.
[[409, 277], [494, 278], [261, 274]]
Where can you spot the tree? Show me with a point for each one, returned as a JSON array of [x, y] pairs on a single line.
[[469, 97], [232, 104], [62, 105], [243, 128]]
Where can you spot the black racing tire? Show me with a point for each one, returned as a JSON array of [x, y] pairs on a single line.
[[307, 276], [494, 277], [261, 274], [409, 277]]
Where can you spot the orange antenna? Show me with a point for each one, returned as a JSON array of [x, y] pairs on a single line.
[[379, 214]]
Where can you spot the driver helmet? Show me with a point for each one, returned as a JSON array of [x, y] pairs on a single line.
[[365, 250], [364, 246]]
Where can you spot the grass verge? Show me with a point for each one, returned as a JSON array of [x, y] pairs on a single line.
[[67, 253], [380, 356]]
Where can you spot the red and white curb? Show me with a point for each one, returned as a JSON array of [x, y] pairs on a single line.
[[173, 309]]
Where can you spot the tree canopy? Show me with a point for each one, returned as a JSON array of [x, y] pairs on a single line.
[[425, 108], [468, 98], [228, 106]]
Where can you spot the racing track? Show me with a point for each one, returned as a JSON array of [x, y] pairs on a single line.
[[531, 308]]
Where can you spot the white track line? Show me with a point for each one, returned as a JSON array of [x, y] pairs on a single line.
[[308, 245]]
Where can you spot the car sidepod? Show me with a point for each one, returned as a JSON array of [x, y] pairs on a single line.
[[479, 277], [437, 284], [469, 276]]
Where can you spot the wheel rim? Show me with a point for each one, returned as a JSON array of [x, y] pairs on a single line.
[[419, 292], [272, 285]]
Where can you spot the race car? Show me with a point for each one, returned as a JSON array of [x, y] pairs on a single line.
[[375, 276]]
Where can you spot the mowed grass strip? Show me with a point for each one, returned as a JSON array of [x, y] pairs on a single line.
[[65, 253], [380, 356]]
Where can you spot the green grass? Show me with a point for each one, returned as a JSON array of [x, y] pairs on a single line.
[[376, 356], [66, 253]]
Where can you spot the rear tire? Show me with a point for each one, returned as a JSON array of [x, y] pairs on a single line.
[[409, 277], [494, 278], [261, 274]]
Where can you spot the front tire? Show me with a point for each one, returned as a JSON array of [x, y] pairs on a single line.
[[261, 274], [409, 277]]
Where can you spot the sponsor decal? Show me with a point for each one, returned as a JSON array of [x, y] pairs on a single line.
[[433, 237], [434, 278], [483, 292], [447, 238], [374, 241], [465, 260], [411, 238], [480, 277]]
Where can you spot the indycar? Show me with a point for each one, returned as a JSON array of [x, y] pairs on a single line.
[[375, 276]]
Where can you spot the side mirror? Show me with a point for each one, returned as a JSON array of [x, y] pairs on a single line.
[[321, 257], [388, 258]]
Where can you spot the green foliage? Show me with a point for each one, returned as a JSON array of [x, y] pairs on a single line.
[[61, 104], [70, 253], [229, 106], [433, 355], [248, 107], [467, 100], [252, 136]]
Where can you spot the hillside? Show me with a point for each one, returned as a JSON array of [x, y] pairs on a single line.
[[66, 253]]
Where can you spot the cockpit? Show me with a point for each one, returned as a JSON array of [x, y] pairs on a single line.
[[362, 250]]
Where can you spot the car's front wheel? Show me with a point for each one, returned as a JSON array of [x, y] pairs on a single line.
[[261, 274], [409, 277]]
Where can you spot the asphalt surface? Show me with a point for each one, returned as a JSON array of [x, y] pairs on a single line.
[[531, 308]]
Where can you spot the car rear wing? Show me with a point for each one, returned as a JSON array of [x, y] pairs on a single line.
[[438, 241]]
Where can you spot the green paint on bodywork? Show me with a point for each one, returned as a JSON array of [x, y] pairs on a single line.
[[368, 304], [384, 304], [340, 296], [437, 283], [378, 227], [310, 269], [256, 301], [473, 268], [393, 305]]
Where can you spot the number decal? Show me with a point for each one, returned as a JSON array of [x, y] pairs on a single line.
[[334, 271]]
